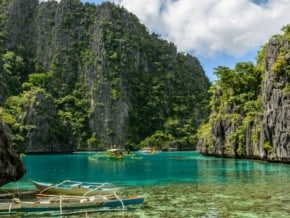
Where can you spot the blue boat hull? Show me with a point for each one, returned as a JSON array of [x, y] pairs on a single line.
[[56, 206]]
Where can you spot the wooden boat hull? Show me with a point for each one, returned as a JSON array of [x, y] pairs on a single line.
[[67, 205], [75, 190]]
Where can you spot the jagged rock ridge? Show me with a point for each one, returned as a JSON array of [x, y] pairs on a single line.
[[93, 77], [262, 132]]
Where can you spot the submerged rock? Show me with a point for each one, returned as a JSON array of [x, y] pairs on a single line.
[[11, 167]]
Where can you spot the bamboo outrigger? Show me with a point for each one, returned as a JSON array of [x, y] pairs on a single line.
[[69, 187]]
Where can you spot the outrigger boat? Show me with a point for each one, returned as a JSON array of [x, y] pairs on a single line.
[[63, 203], [113, 156], [69, 187], [116, 153]]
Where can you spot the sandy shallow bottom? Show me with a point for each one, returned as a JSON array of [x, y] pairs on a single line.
[[204, 200], [194, 200]]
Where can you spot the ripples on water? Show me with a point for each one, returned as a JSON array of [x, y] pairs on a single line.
[[178, 184]]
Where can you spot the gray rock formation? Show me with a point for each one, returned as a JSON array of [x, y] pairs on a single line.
[[276, 113], [266, 135], [11, 168], [107, 81]]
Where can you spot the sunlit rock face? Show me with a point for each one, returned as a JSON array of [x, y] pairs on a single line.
[[11, 167], [276, 102], [266, 133], [108, 81]]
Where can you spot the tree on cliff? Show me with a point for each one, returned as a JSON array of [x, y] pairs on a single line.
[[250, 107], [94, 77]]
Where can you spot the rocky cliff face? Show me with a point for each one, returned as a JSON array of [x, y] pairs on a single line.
[[276, 101], [11, 168], [43, 126], [93, 77], [264, 133]]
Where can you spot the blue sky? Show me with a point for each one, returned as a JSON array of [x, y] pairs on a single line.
[[217, 32]]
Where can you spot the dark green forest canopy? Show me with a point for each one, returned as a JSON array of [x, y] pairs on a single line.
[[78, 76]]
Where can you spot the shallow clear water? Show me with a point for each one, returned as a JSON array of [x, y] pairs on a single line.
[[176, 184]]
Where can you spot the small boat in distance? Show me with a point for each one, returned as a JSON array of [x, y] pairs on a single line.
[[116, 153], [148, 150], [69, 187], [113, 154]]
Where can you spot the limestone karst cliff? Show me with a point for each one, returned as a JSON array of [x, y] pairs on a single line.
[[77, 76], [11, 168], [250, 107]]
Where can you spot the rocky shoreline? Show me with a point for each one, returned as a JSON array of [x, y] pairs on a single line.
[[11, 167]]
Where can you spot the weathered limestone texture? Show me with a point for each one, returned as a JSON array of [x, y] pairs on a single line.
[[266, 135], [11, 168]]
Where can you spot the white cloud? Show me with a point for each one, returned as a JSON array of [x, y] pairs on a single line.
[[208, 27]]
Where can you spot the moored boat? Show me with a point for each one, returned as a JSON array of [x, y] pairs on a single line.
[[148, 150], [63, 203], [69, 187], [116, 153]]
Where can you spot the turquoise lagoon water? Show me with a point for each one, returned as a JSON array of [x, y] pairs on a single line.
[[176, 184]]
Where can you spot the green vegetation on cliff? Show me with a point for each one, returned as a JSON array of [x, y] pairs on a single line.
[[250, 106], [235, 102], [80, 76]]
